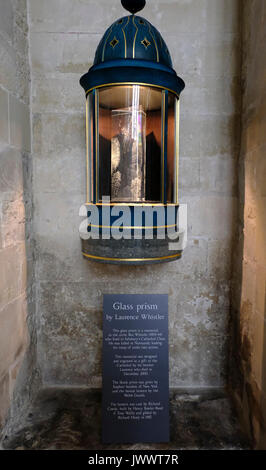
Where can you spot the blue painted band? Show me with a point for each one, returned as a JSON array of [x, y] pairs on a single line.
[[132, 63], [120, 71]]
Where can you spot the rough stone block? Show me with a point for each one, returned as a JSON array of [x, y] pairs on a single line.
[[58, 133], [13, 222], [257, 339], [20, 6], [186, 52], [67, 174], [189, 175], [4, 137], [207, 135], [204, 301], [189, 135], [261, 172], [221, 96], [187, 269], [218, 174], [250, 232], [57, 216], [47, 16], [20, 134], [6, 19], [62, 94], [249, 285], [254, 131], [14, 371], [219, 259], [13, 333], [260, 304], [22, 78], [20, 15], [27, 166], [192, 99], [8, 69], [71, 334], [12, 273], [223, 15], [1, 236], [211, 216], [167, 15], [14, 72], [220, 54], [4, 398], [11, 174], [196, 359], [219, 135], [250, 167], [260, 246], [57, 53], [20, 42]]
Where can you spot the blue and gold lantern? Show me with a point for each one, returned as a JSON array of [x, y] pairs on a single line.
[[132, 133]]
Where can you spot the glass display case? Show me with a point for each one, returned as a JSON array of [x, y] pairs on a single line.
[[130, 129], [132, 139]]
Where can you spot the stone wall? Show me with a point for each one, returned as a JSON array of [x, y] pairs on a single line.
[[16, 255], [248, 355], [203, 38]]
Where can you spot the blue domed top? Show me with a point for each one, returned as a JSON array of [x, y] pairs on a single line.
[[132, 51], [133, 37]]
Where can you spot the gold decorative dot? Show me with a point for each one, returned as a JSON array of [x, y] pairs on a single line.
[[114, 42], [146, 43]]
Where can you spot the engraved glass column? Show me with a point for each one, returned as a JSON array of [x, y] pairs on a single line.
[[128, 152]]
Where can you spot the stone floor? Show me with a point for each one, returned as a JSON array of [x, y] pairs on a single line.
[[70, 419]]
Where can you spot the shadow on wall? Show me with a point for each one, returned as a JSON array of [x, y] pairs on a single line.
[[248, 345], [16, 247], [24, 378]]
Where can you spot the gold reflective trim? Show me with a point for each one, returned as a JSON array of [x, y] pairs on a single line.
[[137, 30], [114, 42], [125, 36], [128, 260], [131, 83], [146, 43], [132, 227]]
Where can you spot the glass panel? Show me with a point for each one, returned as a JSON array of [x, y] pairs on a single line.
[[171, 150], [130, 143], [154, 167]]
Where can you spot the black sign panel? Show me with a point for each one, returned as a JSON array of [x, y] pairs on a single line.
[[135, 369]]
